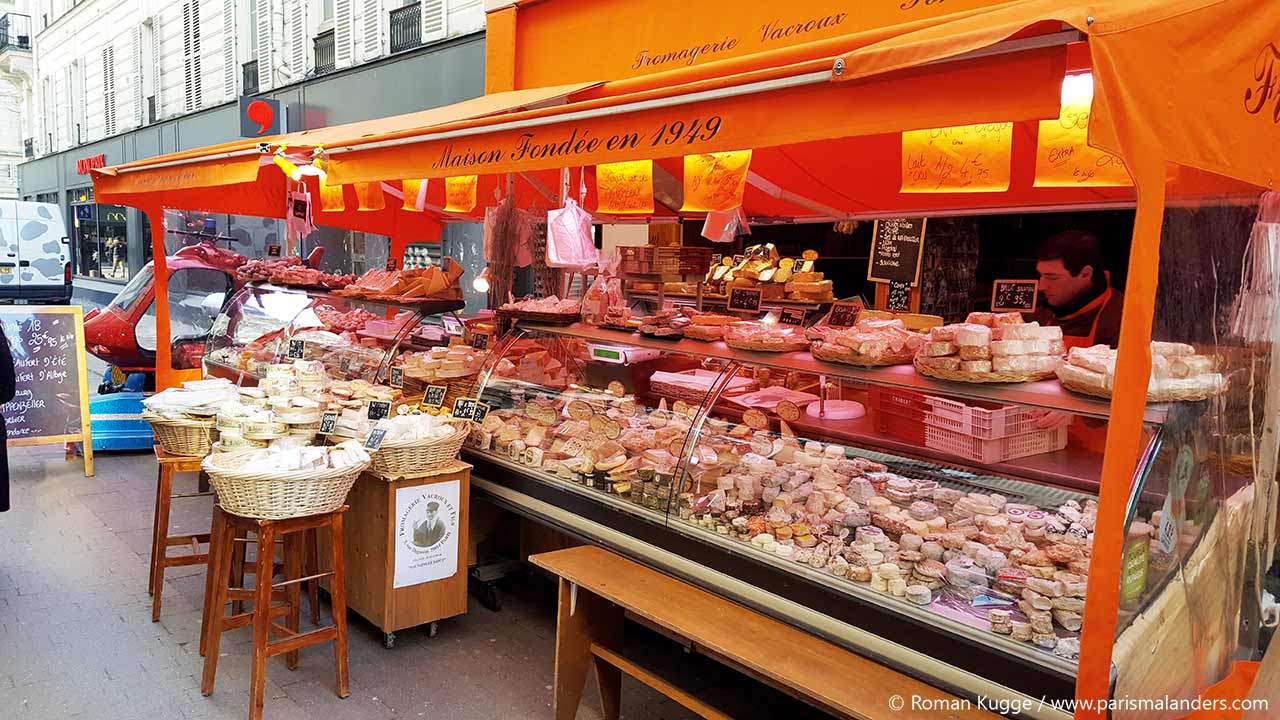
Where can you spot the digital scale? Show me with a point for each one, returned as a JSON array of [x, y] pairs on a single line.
[[620, 355]]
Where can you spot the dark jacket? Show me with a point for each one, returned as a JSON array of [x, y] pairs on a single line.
[[1076, 321], [7, 389]]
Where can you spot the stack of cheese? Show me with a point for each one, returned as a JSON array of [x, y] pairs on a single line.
[[809, 286], [1177, 373], [708, 326], [535, 365], [766, 338], [455, 361], [871, 342], [988, 345], [294, 456]]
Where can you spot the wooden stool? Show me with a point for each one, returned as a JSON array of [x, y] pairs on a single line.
[[296, 534], [161, 540]]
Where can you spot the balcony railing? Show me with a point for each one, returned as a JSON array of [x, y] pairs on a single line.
[[325, 61], [406, 27], [15, 32], [249, 77]]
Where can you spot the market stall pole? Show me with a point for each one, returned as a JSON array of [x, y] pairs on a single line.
[[851, 91], [399, 578]]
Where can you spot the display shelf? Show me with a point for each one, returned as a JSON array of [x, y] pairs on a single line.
[[426, 307], [722, 300], [1045, 394]]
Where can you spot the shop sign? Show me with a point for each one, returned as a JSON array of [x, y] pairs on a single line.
[[426, 547], [636, 37], [1063, 155], [964, 158], [93, 162], [260, 117]]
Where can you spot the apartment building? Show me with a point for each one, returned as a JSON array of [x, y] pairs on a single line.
[[119, 80], [15, 93]]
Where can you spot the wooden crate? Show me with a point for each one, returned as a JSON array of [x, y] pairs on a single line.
[[370, 555]]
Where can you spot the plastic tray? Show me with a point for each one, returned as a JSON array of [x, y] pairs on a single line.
[[980, 422], [998, 449]]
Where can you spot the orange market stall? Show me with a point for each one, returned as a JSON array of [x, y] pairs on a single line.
[[866, 119]]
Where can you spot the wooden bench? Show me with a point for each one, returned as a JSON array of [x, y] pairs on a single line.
[[597, 587]]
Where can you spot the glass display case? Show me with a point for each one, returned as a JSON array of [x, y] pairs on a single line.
[[264, 324], [951, 519]]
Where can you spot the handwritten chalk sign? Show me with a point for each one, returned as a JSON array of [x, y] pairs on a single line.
[[899, 297], [273, 251], [397, 377], [897, 247], [328, 422], [375, 439], [297, 348], [480, 341], [1014, 295], [966, 158], [379, 409], [745, 299], [791, 316], [844, 313], [51, 397], [434, 395]]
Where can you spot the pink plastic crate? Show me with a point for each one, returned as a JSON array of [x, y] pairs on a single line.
[[995, 450], [980, 422]]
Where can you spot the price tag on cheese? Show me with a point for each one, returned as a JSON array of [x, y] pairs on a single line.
[[328, 422], [375, 439], [434, 396], [792, 316], [344, 366], [379, 409], [1167, 535], [464, 408], [745, 299], [844, 314], [273, 251], [480, 341], [480, 412], [452, 326], [397, 377], [297, 348]]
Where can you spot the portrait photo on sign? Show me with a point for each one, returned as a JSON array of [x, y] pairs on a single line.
[[426, 545]]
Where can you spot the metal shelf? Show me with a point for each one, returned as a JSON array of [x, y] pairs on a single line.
[[1046, 394]]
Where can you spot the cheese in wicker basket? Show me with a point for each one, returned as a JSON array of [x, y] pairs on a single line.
[[417, 443], [1177, 373], [288, 480], [991, 348]]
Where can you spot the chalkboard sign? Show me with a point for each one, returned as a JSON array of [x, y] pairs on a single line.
[[480, 412], [328, 422], [791, 316], [1014, 295], [51, 398], [379, 409], [464, 408], [344, 366], [296, 348], [745, 299], [896, 249], [899, 297], [273, 251], [393, 263], [480, 341], [844, 314], [375, 439], [434, 396], [397, 377]]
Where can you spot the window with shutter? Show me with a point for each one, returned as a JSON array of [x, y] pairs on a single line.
[[298, 40], [109, 90], [343, 37], [157, 84], [371, 39], [229, 64], [192, 99], [265, 54], [435, 17], [135, 76]]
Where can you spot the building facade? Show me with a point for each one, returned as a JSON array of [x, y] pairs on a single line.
[[117, 81], [16, 89]]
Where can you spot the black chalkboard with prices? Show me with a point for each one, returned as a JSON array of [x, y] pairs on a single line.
[[1014, 295], [897, 246], [899, 296], [745, 299], [47, 368]]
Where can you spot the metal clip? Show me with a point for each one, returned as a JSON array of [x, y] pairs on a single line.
[[839, 67]]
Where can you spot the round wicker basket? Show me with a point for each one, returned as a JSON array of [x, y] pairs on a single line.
[[974, 377], [843, 355], [278, 495], [1153, 396], [799, 343], [418, 456], [186, 437]]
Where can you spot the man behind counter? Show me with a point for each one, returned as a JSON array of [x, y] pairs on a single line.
[[1077, 290]]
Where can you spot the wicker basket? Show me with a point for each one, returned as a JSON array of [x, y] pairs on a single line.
[[976, 377], [419, 456], [278, 495], [186, 437], [459, 387], [789, 345], [705, 333], [540, 317], [1153, 396], [836, 353]]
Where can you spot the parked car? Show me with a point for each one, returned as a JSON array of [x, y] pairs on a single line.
[[35, 254]]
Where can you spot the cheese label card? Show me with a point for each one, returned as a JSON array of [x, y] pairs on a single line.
[[573, 448], [296, 348], [452, 326], [464, 408], [737, 259], [899, 296], [479, 412], [344, 366], [375, 439], [792, 316], [379, 409], [434, 396], [393, 263], [273, 251], [480, 341], [745, 299], [328, 422], [716, 258], [844, 314], [397, 377], [1014, 295]]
